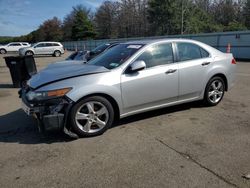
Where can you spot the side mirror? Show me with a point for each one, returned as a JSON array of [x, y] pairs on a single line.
[[137, 66]]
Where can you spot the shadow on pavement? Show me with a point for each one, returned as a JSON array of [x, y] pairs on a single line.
[[6, 86], [158, 112], [17, 127]]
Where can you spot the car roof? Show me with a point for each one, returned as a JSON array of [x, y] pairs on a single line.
[[49, 42], [154, 41], [151, 41]]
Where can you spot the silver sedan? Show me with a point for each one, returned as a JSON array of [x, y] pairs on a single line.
[[131, 78]]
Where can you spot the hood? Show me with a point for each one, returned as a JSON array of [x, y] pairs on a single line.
[[66, 63], [63, 70]]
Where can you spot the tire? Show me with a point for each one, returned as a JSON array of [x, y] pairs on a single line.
[[91, 116], [57, 53], [214, 92], [29, 53], [3, 51]]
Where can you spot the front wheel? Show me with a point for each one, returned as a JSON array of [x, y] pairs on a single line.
[[29, 53], [214, 92], [3, 51], [92, 116]]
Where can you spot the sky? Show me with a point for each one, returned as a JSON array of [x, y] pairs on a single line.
[[20, 17]]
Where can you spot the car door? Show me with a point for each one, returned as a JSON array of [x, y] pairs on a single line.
[[39, 49], [155, 85], [194, 62], [13, 47], [48, 48]]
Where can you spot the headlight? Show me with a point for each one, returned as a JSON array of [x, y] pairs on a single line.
[[45, 95]]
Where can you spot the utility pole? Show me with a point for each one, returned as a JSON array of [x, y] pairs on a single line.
[[182, 17]]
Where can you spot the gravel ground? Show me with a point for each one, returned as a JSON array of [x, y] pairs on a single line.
[[183, 146]]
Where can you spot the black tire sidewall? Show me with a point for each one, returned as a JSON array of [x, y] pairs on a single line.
[[100, 99], [206, 98]]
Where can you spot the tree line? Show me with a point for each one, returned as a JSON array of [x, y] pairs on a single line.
[[141, 18]]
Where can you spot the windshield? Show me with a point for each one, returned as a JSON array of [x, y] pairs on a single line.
[[33, 44], [80, 55], [115, 56], [100, 48]]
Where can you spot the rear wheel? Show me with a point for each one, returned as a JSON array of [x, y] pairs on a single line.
[[92, 116], [214, 92], [29, 53], [3, 51], [57, 53]]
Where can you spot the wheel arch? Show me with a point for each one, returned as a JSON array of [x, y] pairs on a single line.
[[109, 98], [57, 50]]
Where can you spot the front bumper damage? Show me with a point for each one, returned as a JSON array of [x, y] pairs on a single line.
[[52, 115]]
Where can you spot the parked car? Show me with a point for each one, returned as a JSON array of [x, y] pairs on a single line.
[[13, 47], [43, 48], [77, 56], [99, 49], [87, 55], [131, 78]]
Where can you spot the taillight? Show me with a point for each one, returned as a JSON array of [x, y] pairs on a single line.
[[233, 61]]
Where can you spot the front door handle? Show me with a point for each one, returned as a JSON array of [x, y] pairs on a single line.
[[170, 71], [205, 63]]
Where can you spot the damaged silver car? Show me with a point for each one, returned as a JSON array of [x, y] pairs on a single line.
[[130, 78]]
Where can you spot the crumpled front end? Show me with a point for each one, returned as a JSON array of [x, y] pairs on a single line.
[[52, 114]]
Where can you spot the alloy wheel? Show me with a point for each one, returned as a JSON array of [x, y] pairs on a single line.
[[57, 54], [2, 51], [29, 53], [91, 117], [216, 91]]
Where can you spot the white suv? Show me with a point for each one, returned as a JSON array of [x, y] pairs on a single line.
[[13, 47], [43, 48]]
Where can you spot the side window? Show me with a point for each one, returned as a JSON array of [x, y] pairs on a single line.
[[189, 51], [204, 53], [159, 54], [48, 44], [15, 44], [55, 44], [40, 45]]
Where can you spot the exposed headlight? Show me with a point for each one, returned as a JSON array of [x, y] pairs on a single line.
[[45, 95]]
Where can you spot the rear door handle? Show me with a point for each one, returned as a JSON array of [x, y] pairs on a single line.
[[170, 71], [205, 63]]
